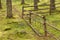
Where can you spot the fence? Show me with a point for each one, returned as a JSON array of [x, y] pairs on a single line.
[[44, 22], [46, 32], [50, 10]]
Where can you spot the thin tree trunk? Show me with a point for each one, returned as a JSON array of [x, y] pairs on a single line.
[[9, 8], [0, 5], [22, 2], [35, 5], [38, 0], [52, 6]]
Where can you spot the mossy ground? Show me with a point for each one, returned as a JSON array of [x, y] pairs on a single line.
[[17, 24]]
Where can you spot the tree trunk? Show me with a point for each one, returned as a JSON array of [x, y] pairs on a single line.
[[35, 5], [0, 5], [9, 8], [22, 2], [38, 0], [52, 6]]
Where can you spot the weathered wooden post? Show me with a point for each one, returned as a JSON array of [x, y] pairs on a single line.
[[22, 11], [45, 28]]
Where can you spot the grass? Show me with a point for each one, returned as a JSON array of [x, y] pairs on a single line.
[[18, 25]]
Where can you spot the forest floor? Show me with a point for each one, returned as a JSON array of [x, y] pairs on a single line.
[[19, 30]]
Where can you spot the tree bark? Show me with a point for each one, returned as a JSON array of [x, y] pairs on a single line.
[[0, 5], [22, 2], [9, 8], [38, 0], [52, 5], [35, 5]]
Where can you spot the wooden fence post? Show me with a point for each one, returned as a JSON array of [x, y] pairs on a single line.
[[30, 16], [22, 11], [45, 28]]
